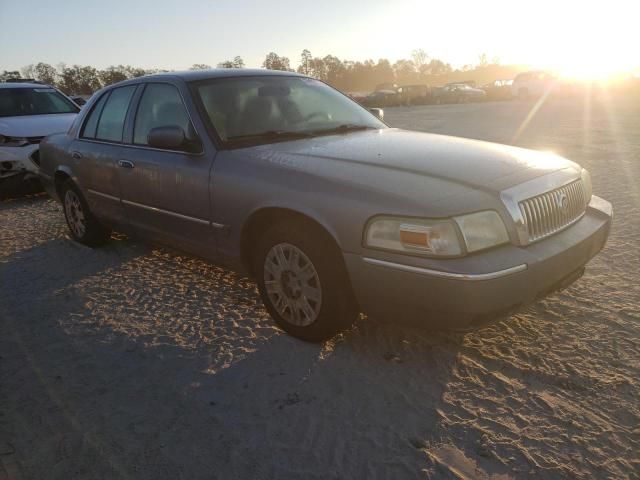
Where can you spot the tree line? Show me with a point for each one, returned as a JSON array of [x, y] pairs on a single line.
[[345, 75]]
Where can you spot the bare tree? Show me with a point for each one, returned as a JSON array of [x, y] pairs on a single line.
[[79, 80], [420, 59], [46, 73], [305, 63], [275, 62], [8, 75], [405, 71], [28, 71], [237, 62], [200, 66], [112, 74]]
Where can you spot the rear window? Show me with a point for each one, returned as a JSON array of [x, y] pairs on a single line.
[[16, 102]]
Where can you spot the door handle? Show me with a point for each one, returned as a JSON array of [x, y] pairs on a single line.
[[77, 155], [125, 164]]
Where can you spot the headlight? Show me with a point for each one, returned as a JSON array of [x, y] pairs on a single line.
[[479, 231], [482, 230], [412, 235], [13, 141]]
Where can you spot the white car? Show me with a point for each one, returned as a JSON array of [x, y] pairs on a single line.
[[533, 84], [28, 113]]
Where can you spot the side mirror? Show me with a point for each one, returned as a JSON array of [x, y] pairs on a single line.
[[378, 112], [172, 137]]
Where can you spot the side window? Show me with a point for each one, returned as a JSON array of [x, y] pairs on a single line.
[[160, 106], [89, 130], [111, 123]]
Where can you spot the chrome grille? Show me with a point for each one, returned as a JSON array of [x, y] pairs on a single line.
[[552, 211]]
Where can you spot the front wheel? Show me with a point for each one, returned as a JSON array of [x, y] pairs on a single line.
[[303, 282], [83, 226]]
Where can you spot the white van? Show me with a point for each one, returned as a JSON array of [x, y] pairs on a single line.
[[532, 84]]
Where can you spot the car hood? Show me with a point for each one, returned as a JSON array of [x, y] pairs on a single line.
[[480, 165], [36, 125]]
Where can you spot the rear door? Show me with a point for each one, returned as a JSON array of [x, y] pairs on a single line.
[[96, 151], [165, 193]]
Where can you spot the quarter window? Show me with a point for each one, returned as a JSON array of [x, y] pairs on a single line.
[[89, 130], [111, 123], [160, 106]]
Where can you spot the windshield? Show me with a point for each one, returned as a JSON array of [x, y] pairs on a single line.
[[33, 101], [270, 108]]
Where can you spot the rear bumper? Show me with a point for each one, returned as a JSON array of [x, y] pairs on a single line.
[[468, 292]]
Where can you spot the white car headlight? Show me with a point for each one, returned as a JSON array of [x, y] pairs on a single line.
[[13, 141], [427, 237], [482, 230], [413, 235]]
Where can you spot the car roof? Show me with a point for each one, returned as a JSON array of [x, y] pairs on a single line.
[[24, 85], [196, 75]]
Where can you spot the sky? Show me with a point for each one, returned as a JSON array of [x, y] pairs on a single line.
[[585, 36]]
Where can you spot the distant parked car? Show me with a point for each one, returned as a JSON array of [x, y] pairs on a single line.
[[498, 90], [29, 112], [414, 94], [386, 86], [533, 84], [332, 212], [458, 93], [383, 98]]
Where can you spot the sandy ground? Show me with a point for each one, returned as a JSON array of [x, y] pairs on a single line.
[[135, 362]]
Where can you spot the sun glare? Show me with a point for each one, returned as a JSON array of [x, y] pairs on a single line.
[[583, 65], [579, 40]]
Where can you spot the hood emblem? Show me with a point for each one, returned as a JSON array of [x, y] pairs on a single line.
[[562, 201]]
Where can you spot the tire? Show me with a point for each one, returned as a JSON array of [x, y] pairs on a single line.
[[303, 282], [83, 225]]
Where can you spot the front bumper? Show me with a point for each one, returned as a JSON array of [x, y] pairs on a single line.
[[468, 292], [17, 160]]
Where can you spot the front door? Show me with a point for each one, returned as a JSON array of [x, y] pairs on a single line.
[[165, 193]]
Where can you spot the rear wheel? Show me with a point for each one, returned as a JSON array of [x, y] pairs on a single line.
[[83, 225], [303, 282]]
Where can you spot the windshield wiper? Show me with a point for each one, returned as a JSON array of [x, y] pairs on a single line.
[[271, 134], [344, 128]]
